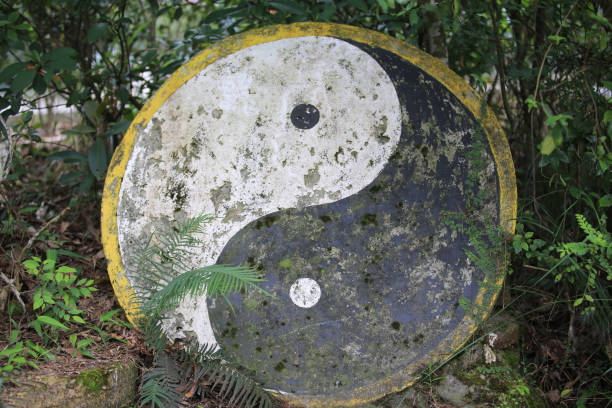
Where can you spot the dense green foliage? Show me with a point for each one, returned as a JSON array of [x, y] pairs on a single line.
[[543, 65]]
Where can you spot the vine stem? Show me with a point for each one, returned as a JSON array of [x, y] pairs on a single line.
[[532, 119], [6, 166], [493, 11]]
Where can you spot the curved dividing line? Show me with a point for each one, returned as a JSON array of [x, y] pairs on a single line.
[[434, 67]]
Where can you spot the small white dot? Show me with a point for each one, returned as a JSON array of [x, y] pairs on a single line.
[[305, 292]]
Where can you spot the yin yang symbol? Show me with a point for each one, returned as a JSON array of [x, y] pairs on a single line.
[[329, 163]]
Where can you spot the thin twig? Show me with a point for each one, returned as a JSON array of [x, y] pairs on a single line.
[[11, 285], [6, 167], [535, 93], [40, 231], [537, 268]]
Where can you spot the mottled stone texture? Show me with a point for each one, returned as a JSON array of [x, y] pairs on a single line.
[[109, 386]]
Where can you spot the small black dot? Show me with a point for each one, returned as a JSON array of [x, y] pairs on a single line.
[[304, 116]]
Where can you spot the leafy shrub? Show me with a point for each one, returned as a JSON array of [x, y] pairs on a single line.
[[55, 297]]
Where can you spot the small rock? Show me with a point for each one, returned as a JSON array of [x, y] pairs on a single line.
[[553, 395], [506, 330], [452, 390]]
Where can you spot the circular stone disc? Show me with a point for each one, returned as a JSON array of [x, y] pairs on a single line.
[[330, 156]]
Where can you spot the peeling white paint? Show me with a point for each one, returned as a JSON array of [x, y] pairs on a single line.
[[225, 144]]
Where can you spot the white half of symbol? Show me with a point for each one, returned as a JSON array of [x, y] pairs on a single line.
[[305, 292]]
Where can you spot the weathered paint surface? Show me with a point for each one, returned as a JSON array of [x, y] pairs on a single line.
[[413, 226], [391, 272], [231, 149]]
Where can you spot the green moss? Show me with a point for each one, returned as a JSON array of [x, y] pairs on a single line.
[[285, 263], [499, 385], [92, 380], [369, 219], [511, 358], [266, 221]]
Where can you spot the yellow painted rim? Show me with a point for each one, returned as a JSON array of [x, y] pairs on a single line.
[[434, 67]]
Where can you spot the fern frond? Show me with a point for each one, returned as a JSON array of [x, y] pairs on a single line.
[[213, 280], [235, 386], [163, 278], [155, 337], [178, 241], [159, 386]]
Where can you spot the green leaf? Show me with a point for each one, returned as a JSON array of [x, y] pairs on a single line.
[[39, 84], [68, 156], [22, 26], [96, 31], [71, 178], [91, 110], [289, 7], [562, 117], [607, 116], [13, 16], [359, 4], [383, 6], [556, 38], [548, 145], [117, 128], [605, 201], [108, 315], [86, 184], [51, 256], [23, 79], [32, 266], [78, 319], [97, 159], [66, 269], [38, 302], [60, 59], [578, 302], [10, 71], [516, 244], [73, 338], [219, 15], [12, 35], [60, 53], [531, 103], [578, 248], [414, 18], [80, 129], [51, 322], [601, 19], [70, 253], [575, 192], [84, 343]]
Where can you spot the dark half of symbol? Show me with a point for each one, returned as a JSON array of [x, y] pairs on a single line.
[[390, 271]]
